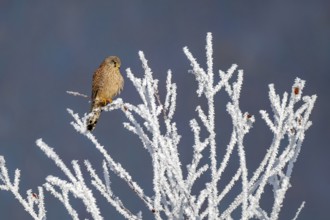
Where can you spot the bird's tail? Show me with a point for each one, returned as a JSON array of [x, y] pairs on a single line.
[[93, 118]]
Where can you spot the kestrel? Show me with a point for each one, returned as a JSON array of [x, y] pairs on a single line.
[[107, 83]]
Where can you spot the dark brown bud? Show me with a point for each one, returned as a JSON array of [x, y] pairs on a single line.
[[34, 195]]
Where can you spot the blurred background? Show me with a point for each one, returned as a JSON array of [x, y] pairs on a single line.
[[48, 47]]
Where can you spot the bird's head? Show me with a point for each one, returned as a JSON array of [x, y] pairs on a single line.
[[113, 61]]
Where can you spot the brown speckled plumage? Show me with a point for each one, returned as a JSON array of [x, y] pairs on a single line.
[[107, 83]]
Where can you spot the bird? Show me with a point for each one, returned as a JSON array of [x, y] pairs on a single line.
[[106, 84]]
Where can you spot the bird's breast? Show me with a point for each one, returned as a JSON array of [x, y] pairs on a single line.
[[113, 84]]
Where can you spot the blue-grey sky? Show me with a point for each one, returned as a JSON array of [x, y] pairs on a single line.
[[48, 47]]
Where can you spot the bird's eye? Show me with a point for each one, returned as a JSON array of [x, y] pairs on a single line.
[[115, 63]]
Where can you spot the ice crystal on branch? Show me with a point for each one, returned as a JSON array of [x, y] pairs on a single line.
[[172, 196]]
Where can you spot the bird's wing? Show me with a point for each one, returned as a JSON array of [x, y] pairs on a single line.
[[96, 84]]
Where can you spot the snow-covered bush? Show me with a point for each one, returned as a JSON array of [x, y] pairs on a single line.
[[172, 196]]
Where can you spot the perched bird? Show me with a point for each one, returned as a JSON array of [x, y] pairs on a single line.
[[107, 83]]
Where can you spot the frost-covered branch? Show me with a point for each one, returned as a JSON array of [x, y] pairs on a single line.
[[33, 203], [75, 184], [105, 189]]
